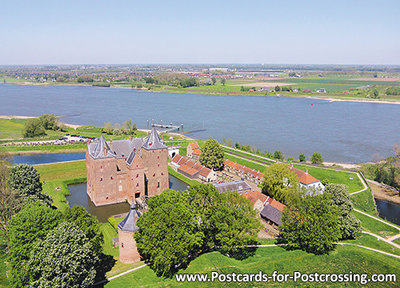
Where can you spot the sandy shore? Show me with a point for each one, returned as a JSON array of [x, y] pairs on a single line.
[[384, 193], [348, 100], [74, 126]]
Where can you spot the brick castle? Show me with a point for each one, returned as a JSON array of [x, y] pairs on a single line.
[[123, 170]]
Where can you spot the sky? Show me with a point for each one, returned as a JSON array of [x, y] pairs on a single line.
[[163, 32]]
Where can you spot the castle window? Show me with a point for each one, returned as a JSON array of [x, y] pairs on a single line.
[[137, 184], [158, 184], [162, 173], [158, 157], [101, 166], [101, 179], [118, 168], [122, 245], [112, 178], [154, 175], [137, 175], [158, 165]]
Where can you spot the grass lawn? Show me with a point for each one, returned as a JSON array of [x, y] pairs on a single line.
[[364, 202], [376, 227], [397, 241], [370, 241], [255, 156], [334, 176], [56, 178], [79, 147], [11, 129], [343, 260]]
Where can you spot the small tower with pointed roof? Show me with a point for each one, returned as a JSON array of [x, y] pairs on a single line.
[[128, 252]]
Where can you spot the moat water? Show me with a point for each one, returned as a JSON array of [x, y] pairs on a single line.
[[342, 131], [35, 159]]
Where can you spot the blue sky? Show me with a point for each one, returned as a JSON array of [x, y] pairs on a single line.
[[270, 32]]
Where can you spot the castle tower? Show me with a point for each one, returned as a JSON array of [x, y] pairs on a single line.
[[155, 155], [127, 245]]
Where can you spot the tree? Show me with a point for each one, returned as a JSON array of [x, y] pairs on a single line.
[[49, 122], [64, 259], [223, 81], [10, 201], [279, 155], [178, 226], [32, 223], [350, 226], [277, 88], [302, 158], [375, 93], [316, 158], [84, 78], [168, 235], [108, 128], [228, 142], [33, 128], [25, 179], [88, 224], [213, 80], [212, 155], [280, 183], [311, 225]]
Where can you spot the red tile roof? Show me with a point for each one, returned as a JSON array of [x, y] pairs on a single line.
[[176, 158], [205, 171], [276, 204], [253, 196], [303, 176], [196, 152], [194, 145]]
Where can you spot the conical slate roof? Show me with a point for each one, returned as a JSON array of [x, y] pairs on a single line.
[[129, 223], [154, 141], [98, 151]]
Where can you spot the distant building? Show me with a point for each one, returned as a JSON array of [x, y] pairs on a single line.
[[128, 252], [240, 186], [307, 91], [322, 90], [123, 170]]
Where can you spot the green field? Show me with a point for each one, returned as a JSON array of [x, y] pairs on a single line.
[[343, 260], [334, 176], [57, 176], [364, 202]]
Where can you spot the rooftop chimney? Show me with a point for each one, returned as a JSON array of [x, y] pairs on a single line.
[[111, 144], [306, 171], [105, 150]]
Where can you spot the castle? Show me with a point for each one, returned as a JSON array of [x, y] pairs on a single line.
[[123, 170]]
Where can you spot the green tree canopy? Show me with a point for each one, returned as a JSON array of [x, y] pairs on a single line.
[[350, 226], [168, 235], [180, 225], [277, 88], [49, 121], [280, 183], [25, 179], [212, 155], [279, 155], [88, 224], [223, 81], [213, 80], [312, 224], [32, 223], [64, 259], [316, 158], [33, 128], [302, 158]]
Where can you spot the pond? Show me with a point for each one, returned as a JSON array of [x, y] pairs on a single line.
[[388, 211], [79, 197]]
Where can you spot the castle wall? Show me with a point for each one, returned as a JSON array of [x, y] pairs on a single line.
[[128, 252], [156, 170]]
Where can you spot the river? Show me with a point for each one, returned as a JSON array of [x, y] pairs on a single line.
[[342, 131]]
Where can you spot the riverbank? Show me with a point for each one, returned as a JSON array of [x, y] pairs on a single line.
[[321, 96], [9, 117], [383, 192]]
